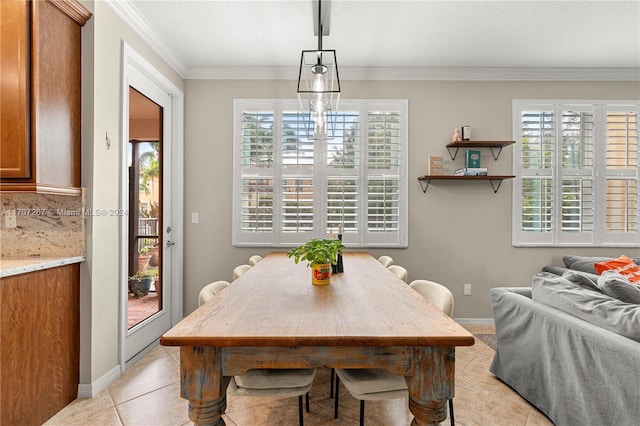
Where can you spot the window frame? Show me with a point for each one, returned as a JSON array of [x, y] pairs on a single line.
[[598, 173], [321, 175]]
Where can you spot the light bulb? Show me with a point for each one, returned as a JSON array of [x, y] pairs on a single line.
[[318, 83]]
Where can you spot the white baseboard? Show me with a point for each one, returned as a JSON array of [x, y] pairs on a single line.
[[92, 389], [475, 321]]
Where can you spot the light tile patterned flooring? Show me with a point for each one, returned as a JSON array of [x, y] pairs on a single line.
[[149, 394]]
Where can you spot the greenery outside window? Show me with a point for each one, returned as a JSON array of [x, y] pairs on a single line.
[[577, 173], [291, 185]]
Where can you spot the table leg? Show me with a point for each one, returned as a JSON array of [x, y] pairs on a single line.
[[202, 383], [432, 385]]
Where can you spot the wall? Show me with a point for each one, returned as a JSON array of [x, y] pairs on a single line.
[[458, 232], [100, 287]]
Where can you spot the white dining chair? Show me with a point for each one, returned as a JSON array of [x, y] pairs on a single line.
[[210, 290], [399, 272], [254, 259], [386, 261], [266, 382], [239, 270], [375, 384]]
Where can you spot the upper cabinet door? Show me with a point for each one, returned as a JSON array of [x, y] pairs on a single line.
[[15, 159]]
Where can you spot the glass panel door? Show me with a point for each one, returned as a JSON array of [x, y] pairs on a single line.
[[145, 209]]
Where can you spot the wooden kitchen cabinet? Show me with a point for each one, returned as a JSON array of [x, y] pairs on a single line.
[[41, 104], [39, 344]]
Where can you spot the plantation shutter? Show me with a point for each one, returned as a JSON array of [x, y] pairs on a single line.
[[297, 177], [536, 155], [621, 162], [344, 165], [384, 174], [290, 187], [577, 174], [576, 134], [256, 215]]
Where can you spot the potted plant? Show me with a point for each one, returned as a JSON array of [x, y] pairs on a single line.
[[154, 253], [320, 254], [143, 259], [140, 283]]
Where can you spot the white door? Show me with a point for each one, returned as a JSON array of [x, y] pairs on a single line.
[[151, 173]]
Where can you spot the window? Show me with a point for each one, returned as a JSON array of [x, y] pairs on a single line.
[[290, 187], [577, 172]]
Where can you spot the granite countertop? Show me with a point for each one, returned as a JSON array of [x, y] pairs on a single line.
[[13, 266]]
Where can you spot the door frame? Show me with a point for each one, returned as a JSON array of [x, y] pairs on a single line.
[[173, 170]]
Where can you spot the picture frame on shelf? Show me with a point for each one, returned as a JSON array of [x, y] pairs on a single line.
[[466, 133]]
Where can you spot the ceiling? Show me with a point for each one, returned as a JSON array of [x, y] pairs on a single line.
[[388, 39]]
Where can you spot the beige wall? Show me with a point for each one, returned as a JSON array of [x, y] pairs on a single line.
[[102, 113], [458, 232]]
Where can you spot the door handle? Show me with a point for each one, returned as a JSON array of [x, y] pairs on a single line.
[[170, 243]]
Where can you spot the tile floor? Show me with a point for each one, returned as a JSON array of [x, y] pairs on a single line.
[[149, 394]]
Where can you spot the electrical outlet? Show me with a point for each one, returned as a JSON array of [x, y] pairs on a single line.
[[467, 289], [194, 217], [10, 219]]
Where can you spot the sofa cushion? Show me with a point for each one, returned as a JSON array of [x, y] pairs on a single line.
[[583, 263], [592, 306], [617, 285], [583, 279], [623, 265]]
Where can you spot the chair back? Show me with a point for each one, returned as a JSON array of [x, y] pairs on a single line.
[[239, 270], [254, 259], [211, 290], [399, 272], [440, 296], [386, 261]]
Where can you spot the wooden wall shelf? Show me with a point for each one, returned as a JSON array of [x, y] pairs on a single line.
[[495, 146], [495, 180]]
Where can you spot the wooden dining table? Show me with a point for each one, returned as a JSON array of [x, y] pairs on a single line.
[[273, 317]]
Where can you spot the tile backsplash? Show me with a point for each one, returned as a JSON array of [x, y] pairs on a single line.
[[45, 225]]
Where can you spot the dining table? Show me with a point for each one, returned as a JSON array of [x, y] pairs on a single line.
[[273, 317]]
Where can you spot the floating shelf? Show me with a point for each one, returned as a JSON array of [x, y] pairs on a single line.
[[495, 180], [495, 146]]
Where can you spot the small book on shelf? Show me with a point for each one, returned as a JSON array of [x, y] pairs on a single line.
[[472, 159], [471, 171]]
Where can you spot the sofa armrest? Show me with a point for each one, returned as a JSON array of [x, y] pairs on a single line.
[[547, 355]]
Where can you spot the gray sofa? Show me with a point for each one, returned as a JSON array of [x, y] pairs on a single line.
[[570, 349]]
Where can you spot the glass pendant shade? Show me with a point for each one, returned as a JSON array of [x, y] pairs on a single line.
[[319, 86]]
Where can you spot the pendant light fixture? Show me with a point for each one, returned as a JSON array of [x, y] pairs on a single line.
[[318, 81]]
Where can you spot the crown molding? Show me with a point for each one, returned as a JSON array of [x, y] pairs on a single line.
[[423, 73], [131, 16]]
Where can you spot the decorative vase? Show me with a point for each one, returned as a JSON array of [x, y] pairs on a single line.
[[321, 274]]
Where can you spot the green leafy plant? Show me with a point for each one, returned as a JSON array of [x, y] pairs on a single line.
[[317, 251], [139, 283]]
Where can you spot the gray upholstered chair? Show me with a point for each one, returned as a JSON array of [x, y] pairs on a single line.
[[385, 260], [254, 259], [239, 270], [377, 384], [399, 272], [266, 382], [211, 290]]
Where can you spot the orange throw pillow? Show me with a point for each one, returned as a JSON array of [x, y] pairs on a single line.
[[623, 265]]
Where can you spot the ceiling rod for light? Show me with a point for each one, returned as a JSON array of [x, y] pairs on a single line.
[[320, 91]]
